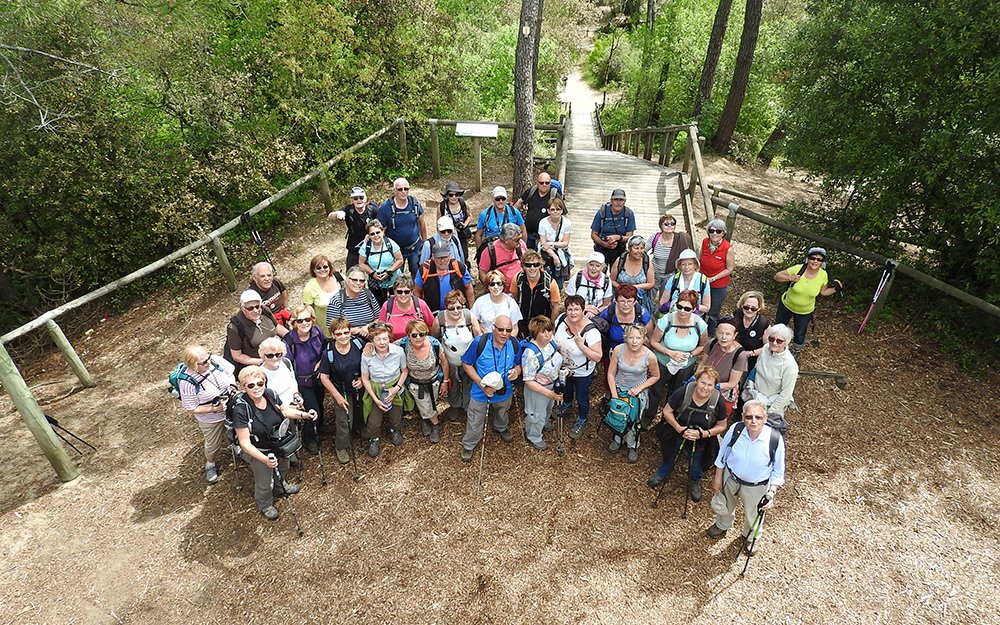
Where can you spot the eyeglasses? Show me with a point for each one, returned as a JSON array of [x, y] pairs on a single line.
[[751, 308], [254, 307], [250, 385], [456, 307], [452, 195], [342, 333], [402, 188], [403, 291], [754, 417], [207, 360], [318, 267], [499, 329], [417, 335], [684, 308], [448, 231], [555, 208], [362, 280], [304, 320], [775, 340], [627, 302], [816, 258], [496, 283], [716, 231], [532, 264]]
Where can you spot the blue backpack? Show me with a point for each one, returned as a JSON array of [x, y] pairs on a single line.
[[180, 373]]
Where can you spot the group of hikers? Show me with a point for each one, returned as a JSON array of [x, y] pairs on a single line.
[[402, 329]]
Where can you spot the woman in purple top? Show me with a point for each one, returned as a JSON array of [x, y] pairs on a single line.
[[305, 348]]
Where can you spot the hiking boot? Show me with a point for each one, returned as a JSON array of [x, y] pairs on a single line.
[[695, 490], [211, 473], [577, 429], [455, 415], [540, 446], [615, 445], [312, 447], [715, 531], [285, 489], [435, 435], [549, 426], [507, 436], [270, 513], [425, 427], [397, 436], [373, 447], [657, 478], [633, 454], [467, 454], [343, 457]]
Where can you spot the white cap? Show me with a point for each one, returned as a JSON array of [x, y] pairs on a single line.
[[499, 192], [249, 296], [359, 192], [445, 223], [596, 257], [493, 379]]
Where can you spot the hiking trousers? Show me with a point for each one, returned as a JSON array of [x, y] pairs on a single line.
[[478, 412], [460, 391], [215, 438], [537, 408], [263, 480], [724, 502]]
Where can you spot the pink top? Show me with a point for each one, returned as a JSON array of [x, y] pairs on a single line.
[[400, 318], [509, 263], [715, 262]]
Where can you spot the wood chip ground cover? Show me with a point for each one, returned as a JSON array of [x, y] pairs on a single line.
[[890, 514]]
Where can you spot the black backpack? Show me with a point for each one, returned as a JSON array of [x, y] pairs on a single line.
[[235, 321], [772, 447]]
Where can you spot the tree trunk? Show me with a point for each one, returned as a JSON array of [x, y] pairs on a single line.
[[770, 149], [712, 56], [524, 96], [650, 15], [741, 75], [655, 117], [538, 40]]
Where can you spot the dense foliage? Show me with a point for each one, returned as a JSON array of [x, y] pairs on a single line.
[[130, 129]]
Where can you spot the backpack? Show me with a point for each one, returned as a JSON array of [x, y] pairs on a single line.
[[546, 291], [491, 249], [180, 373], [670, 324], [645, 261], [580, 282], [416, 306], [623, 414], [675, 286], [772, 446], [538, 350], [561, 319], [605, 214], [709, 411], [241, 398], [235, 321]]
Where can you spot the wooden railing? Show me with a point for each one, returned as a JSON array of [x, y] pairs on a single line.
[[13, 381]]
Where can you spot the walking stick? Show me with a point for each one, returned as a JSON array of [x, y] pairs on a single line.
[[755, 528], [319, 448], [560, 387], [55, 423], [687, 489], [659, 491], [256, 238], [350, 437], [482, 449], [291, 506]]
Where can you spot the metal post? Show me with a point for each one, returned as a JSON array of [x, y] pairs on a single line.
[[324, 192], [71, 356], [227, 268], [477, 156], [33, 417], [402, 142], [435, 150]]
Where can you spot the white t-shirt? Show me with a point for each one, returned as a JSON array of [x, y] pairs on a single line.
[[574, 358], [593, 294], [458, 336], [547, 230], [282, 382], [486, 310]]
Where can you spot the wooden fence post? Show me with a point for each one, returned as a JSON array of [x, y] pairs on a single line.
[[477, 156], [734, 209], [324, 192], [560, 145], [402, 142], [638, 142], [71, 356], [33, 417], [650, 139], [224, 264], [665, 149], [435, 150]]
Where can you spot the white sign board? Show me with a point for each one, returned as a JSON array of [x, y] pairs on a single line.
[[473, 129]]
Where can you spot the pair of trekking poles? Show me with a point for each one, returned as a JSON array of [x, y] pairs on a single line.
[[687, 491]]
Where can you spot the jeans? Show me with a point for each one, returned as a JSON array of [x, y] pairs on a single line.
[[312, 398], [718, 298], [579, 387], [801, 322], [532, 241], [411, 258]]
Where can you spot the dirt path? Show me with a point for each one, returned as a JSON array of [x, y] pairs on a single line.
[[889, 515]]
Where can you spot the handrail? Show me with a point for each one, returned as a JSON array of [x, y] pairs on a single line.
[[184, 251], [504, 125], [736, 209]]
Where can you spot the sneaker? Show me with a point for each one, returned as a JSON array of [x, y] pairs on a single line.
[[270, 513], [549, 426], [435, 435], [695, 489], [751, 548], [455, 415], [540, 446], [633, 455], [397, 436], [615, 445], [311, 447], [373, 448], [467, 454], [289, 489], [211, 473], [657, 478], [507, 435], [577, 429], [342, 456], [425, 427], [715, 531]]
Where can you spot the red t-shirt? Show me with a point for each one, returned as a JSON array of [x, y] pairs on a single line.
[[714, 262]]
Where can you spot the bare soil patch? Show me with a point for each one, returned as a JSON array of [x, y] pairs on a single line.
[[889, 515]]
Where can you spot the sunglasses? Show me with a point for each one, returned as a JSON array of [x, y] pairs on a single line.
[[254, 307], [816, 258], [532, 264], [362, 280], [456, 307], [342, 333], [402, 188], [357, 197], [274, 355], [452, 195], [207, 360], [417, 335], [669, 224], [775, 340], [496, 283], [499, 329], [403, 291], [500, 199], [753, 417], [684, 308], [318, 267], [304, 320], [448, 231], [542, 184], [750, 308], [716, 231], [250, 385]]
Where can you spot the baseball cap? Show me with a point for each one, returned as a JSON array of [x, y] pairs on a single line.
[[618, 194], [445, 223], [359, 192], [596, 257], [249, 296], [499, 192]]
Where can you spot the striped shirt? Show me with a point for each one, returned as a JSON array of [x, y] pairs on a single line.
[[359, 311]]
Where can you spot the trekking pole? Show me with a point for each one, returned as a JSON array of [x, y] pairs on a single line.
[[482, 449], [54, 422], [350, 437], [291, 506], [687, 489], [755, 530], [560, 387], [63, 439], [319, 448], [256, 238], [659, 491]]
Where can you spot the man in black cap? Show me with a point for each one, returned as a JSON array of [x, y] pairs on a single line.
[[613, 224], [537, 200], [356, 215]]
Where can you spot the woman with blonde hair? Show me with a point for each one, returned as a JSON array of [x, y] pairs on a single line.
[[429, 375], [324, 284], [204, 387], [496, 303]]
